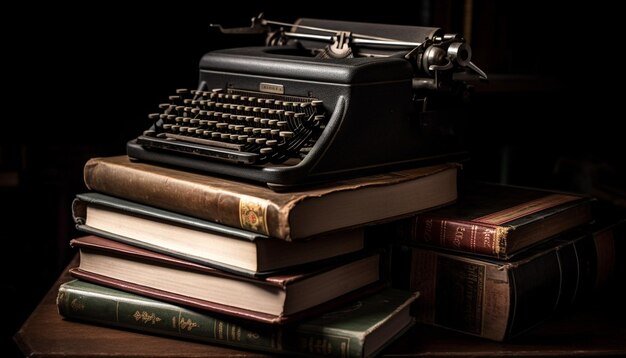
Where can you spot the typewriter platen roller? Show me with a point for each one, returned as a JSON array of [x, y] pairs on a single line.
[[321, 100]]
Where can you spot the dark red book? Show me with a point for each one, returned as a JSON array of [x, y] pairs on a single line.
[[274, 299], [497, 220]]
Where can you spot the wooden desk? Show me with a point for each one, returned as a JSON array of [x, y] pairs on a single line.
[[597, 329]]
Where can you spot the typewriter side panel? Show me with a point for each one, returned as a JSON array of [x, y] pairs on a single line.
[[372, 120]]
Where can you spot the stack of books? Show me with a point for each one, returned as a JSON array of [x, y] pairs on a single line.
[[503, 259], [178, 253]]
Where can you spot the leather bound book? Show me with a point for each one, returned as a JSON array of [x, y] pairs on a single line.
[[288, 215], [497, 220], [359, 329], [207, 243], [274, 299], [500, 299]]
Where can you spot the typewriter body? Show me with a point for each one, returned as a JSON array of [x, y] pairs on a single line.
[[321, 100]]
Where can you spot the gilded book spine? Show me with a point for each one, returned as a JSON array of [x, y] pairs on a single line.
[[93, 303], [88, 302], [479, 238], [185, 193], [327, 344]]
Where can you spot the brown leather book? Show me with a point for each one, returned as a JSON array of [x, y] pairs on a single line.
[[285, 215], [274, 299], [497, 220], [499, 299]]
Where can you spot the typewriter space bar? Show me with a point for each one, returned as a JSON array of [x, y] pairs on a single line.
[[200, 149], [212, 143]]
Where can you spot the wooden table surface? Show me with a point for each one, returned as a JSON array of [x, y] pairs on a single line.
[[597, 328]]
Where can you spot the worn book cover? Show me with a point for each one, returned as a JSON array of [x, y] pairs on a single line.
[[359, 329], [207, 243], [274, 299], [500, 299], [284, 215], [497, 220]]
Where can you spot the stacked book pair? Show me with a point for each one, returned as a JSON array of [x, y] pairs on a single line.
[[503, 259], [184, 254]]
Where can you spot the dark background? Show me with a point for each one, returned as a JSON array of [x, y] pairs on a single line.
[[81, 81]]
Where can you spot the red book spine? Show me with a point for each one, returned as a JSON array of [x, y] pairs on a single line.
[[459, 235]]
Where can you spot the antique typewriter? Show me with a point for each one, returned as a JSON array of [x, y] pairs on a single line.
[[321, 100]]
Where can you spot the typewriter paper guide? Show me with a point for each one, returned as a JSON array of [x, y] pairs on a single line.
[[390, 31]]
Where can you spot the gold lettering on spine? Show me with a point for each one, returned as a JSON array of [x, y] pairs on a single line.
[[77, 305], [253, 214], [146, 317], [428, 229], [187, 324], [458, 237], [473, 236], [338, 346], [234, 333], [442, 234]]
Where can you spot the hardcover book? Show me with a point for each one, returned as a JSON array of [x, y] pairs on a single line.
[[496, 220], [285, 215], [359, 329], [499, 299], [274, 299], [205, 242]]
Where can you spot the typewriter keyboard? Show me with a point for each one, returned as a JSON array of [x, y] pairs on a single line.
[[236, 125]]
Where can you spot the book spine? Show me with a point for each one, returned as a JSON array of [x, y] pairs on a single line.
[[187, 197], [88, 303], [336, 344], [98, 304], [499, 299], [458, 235], [459, 294]]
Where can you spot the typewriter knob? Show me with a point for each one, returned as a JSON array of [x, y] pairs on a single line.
[[460, 52], [340, 48], [433, 56]]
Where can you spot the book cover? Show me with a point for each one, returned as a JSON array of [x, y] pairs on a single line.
[[204, 242], [500, 299], [358, 329], [496, 220], [284, 215], [275, 299]]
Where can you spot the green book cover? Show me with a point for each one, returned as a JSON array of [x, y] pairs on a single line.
[[359, 329]]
